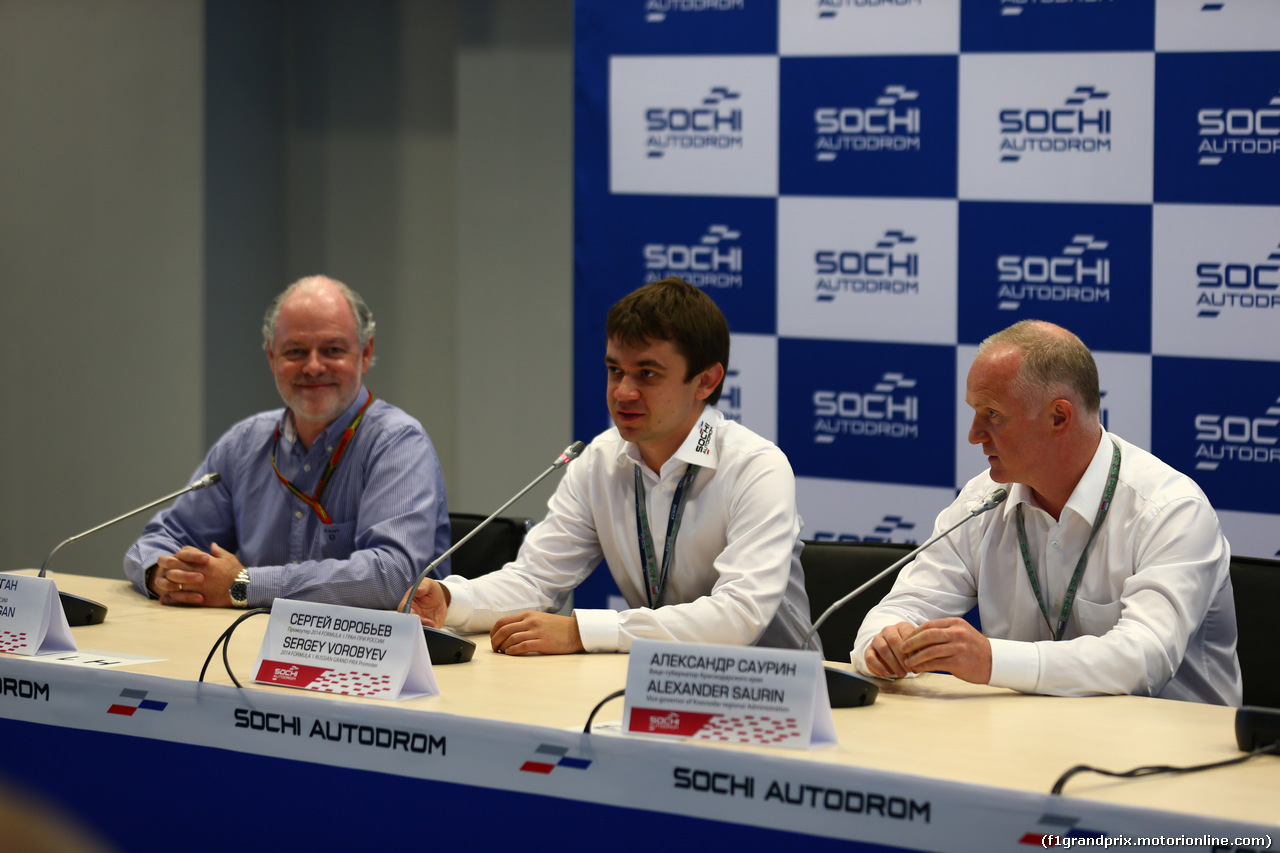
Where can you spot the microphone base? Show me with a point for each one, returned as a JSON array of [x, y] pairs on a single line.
[[848, 689], [445, 647], [82, 611], [1257, 727]]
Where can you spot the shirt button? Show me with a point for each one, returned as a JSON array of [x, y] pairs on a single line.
[[298, 514], [328, 450], [306, 467], [1054, 543]]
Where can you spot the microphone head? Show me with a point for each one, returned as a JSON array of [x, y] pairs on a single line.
[[207, 480], [993, 499], [570, 453]]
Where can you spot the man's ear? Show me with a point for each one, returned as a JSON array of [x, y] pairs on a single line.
[[709, 380], [1061, 415]]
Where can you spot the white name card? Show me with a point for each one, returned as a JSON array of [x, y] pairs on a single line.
[[31, 617], [728, 694], [346, 650]]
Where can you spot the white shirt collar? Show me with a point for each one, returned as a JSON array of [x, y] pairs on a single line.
[[1087, 494], [1084, 498], [698, 448]]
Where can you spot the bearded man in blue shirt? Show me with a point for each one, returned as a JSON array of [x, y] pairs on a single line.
[[337, 498]]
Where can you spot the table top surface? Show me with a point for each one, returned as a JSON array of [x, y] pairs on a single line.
[[934, 726]]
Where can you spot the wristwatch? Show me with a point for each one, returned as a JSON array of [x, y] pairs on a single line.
[[240, 590]]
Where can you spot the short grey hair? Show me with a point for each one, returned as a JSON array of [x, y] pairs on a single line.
[[1055, 364], [365, 325]]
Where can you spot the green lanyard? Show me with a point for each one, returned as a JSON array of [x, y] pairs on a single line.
[[1107, 493], [656, 581]]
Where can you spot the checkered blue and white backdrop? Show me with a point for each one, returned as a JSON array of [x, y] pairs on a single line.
[[868, 188]]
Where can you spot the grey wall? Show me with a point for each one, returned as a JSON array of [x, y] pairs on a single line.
[[101, 289], [166, 166]]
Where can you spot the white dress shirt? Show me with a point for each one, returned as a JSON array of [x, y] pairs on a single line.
[[1153, 615], [736, 576]]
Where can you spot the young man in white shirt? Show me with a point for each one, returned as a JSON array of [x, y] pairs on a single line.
[[720, 563]]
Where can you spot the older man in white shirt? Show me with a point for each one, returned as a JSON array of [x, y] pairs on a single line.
[[1104, 572]]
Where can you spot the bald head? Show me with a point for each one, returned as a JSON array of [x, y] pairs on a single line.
[[315, 351], [318, 285], [1053, 364]]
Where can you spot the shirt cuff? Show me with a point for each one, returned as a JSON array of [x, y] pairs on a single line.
[[598, 629], [265, 585], [461, 605], [1015, 665]]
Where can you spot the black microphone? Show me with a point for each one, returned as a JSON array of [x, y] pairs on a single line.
[[445, 646], [84, 611], [848, 689]]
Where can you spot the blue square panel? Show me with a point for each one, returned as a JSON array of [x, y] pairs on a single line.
[[1086, 267], [1218, 421], [1217, 119], [868, 126], [726, 246], [868, 411], [1025, 26]]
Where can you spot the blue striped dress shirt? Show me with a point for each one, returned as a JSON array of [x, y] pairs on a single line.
[[386, 500]]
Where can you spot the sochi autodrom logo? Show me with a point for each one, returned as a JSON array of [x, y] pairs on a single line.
[[714, 260], [715, 122], [1238, 131], [828, 9], [1081, 273], [1227, 439], [890, 528], [891, 266], [892, 123], [656, 11], [1081, 124], [1238, 285], [890, 409]]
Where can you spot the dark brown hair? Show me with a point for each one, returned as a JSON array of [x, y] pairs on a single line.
[[673, 310]]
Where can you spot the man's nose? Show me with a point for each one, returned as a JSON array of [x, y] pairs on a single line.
[[625, 389], [976, 433]]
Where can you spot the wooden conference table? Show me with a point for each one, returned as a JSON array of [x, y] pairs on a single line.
[[934, 764]]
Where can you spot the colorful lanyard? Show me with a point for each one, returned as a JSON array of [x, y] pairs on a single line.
[[313, 501], [1070, 599], [655, 580]]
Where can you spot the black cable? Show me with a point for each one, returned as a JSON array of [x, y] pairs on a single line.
[[224, 640], [614, 695], [1152, 770]]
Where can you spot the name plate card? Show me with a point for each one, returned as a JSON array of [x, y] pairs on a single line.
[[347, 650], [728, 694], [31, 617]]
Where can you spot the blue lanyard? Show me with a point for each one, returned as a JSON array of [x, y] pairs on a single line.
[[656, 580], [1107, 493]]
